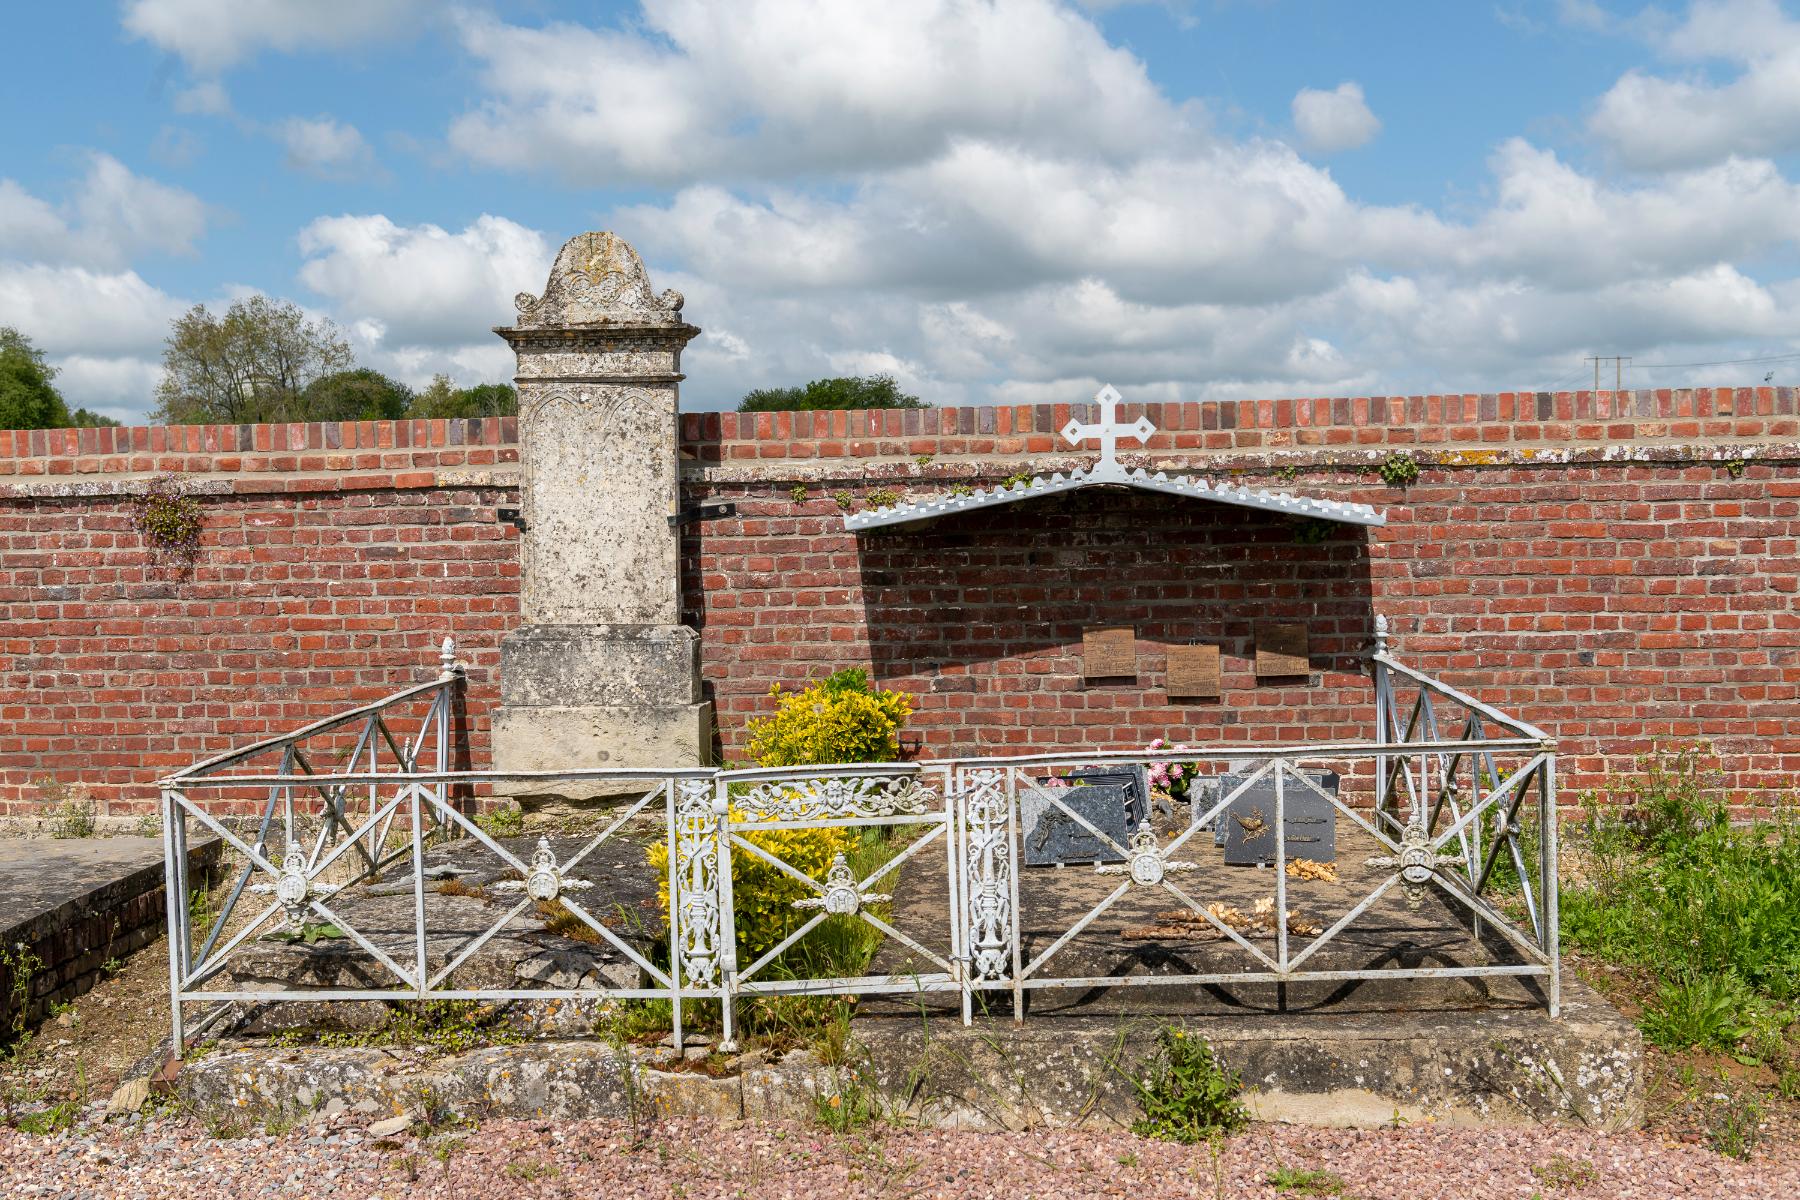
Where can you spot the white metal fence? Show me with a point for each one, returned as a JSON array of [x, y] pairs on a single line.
[[1452, 795]]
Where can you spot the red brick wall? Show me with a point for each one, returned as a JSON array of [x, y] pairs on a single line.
[[1615, 569], [334, 558], [1612, 568]]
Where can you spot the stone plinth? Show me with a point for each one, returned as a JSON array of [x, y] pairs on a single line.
[[603, 674]]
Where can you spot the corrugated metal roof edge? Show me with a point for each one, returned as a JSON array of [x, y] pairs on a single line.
[[1175, 485]]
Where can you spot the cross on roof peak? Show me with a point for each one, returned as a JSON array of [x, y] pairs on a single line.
[[1108, 429]]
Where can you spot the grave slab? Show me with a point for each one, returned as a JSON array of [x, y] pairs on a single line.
[[76, 903]]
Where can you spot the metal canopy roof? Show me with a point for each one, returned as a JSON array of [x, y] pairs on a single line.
[[1108, 471]]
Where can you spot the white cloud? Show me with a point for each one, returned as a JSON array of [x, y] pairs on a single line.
[[71, 310], [767, 88], [1557, 227], [420, 285], [1336, 120], [112, 216], [207, 98], [211, 35], [120, 387], [1655, 122], [325, 147]]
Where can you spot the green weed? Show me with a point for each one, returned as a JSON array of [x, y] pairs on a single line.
[[1398, 469], [1185, 1091], [1698, 1010], [1563, 1173], [1734, 1127], [504, 822], [1300, 1181], [1708, 909]]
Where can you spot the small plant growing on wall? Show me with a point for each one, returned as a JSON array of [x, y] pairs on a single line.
[[1398, 469], [169, 520], [797, 493], [1311, 531], [883, 498]]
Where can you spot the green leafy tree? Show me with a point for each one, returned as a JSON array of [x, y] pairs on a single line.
[[361, 394], [28, 397], [443, 399], [83, 418], [844, 391], [253, 364]]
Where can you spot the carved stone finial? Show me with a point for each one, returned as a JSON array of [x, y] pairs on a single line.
[[598, 279], [1381, 634]]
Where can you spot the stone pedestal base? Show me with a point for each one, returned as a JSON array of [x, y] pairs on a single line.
[[579, 696]]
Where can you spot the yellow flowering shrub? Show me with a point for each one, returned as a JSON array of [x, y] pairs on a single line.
[[838, 720], [762, 896]]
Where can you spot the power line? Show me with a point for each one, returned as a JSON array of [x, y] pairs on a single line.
[[1723, 362], [1618, 362], [1571, 377]]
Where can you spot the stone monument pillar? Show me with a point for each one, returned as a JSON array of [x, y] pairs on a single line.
[[603, 673]]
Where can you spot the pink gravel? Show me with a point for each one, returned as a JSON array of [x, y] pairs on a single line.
[[516, 1159]]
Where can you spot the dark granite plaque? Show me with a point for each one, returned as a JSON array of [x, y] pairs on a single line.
[[1136, 782], [1247, 828], [1052, 836]]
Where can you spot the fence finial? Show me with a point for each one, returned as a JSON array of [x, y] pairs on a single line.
[[447, 658], [1381, 634]]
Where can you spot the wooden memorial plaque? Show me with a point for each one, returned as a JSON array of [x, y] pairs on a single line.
[[1109, 652], [1281, 650], [1194, 672]]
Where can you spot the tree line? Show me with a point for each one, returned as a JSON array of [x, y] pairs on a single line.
[[262, 360], [265, 360]]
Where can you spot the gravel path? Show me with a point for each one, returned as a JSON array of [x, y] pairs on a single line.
[[173, 1158]]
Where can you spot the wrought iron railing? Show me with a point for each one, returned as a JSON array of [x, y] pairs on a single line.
[[1451, 798]]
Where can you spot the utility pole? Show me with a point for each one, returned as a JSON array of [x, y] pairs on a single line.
[[1618, 362]]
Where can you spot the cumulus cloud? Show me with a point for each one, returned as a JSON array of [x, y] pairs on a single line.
[[102, 330], [325, 147], [420, 299], [110, 217], [766, 88], [1659, 122], [1336, 120], [211, 35]]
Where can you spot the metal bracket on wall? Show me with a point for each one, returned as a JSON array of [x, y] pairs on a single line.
[[702, 512], [510, 516]]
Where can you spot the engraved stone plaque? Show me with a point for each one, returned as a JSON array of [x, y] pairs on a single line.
[[1281, 650], [1109, 653], [1052, 836], [1194, 672], [1247, 828]]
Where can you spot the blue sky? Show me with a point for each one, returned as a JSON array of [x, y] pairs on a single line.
[[1008, 200]]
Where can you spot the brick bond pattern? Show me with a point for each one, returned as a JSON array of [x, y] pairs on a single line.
[[1618, 568], [334, 559]]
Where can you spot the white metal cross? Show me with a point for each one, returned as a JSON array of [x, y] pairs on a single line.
[[1108, 429]]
